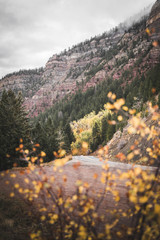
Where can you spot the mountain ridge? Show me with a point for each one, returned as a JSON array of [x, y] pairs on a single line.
[[110, 55]]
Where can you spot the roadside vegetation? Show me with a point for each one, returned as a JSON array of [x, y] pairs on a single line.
[[90, 211]]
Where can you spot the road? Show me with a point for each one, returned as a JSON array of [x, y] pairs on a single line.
[[89, 170]]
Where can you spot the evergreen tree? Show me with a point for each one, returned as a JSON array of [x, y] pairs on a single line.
[[159, 101], [104, 129], [96, 137], [14, 125], [110, 132], [47, 138], [68, 137], [111, 128], [69, 133]]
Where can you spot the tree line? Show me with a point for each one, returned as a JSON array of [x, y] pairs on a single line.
[[52, 130]]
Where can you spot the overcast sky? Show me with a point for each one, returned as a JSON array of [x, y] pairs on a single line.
[[31, 31]]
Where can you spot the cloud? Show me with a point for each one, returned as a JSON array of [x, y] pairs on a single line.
[[32, 31]]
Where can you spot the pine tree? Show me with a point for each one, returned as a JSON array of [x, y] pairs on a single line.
[[104, 129], [69, 133], [111, 128], [110, 132], [68, 137], [159, 101], [96, 137], [14, 125], [46, 136]]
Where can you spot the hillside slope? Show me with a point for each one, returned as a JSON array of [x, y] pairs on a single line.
[[119, 54]]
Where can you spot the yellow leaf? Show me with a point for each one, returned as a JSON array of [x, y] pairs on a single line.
[[149, 150], [12, 175], [16, 185], [103, 180], [62, 153], [78, 182], [109, 106], [60, 162], [43, 154], [132, 111], [55, 216], [85, 145], [20, 190], [60, 201], [82, 232], [129, 231], [117, 198], [43, 218], [113, 96], [80, 189], [125, 108], [12, 194], [119, 103], [143, 199], [51, 221], [26, 151], [137, 171], [157, 209], [43, 209], [109, 95], [130, 156], [148, 31], [109, 226], [26, 180], [86, 185], [133, 198], [74, 197], [120, 118], [33, 235]]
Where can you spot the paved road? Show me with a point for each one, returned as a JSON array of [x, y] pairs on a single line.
[[94, 161], [86, 169]]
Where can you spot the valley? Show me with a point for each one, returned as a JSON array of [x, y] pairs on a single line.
[[80, 140]]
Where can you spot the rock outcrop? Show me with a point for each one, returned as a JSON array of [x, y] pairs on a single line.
[[110, 55], [153, 25]]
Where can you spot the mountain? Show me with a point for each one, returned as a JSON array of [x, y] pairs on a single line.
[[122, 53]]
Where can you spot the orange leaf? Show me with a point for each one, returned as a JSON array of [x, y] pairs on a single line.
[[21, 146], [111, 122], [76, 165], [121, 156], [155, 44], [37, 145], [95, 176]]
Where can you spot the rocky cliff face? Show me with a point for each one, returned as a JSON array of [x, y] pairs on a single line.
[[26, 81], [117, 54], [153, 24]]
